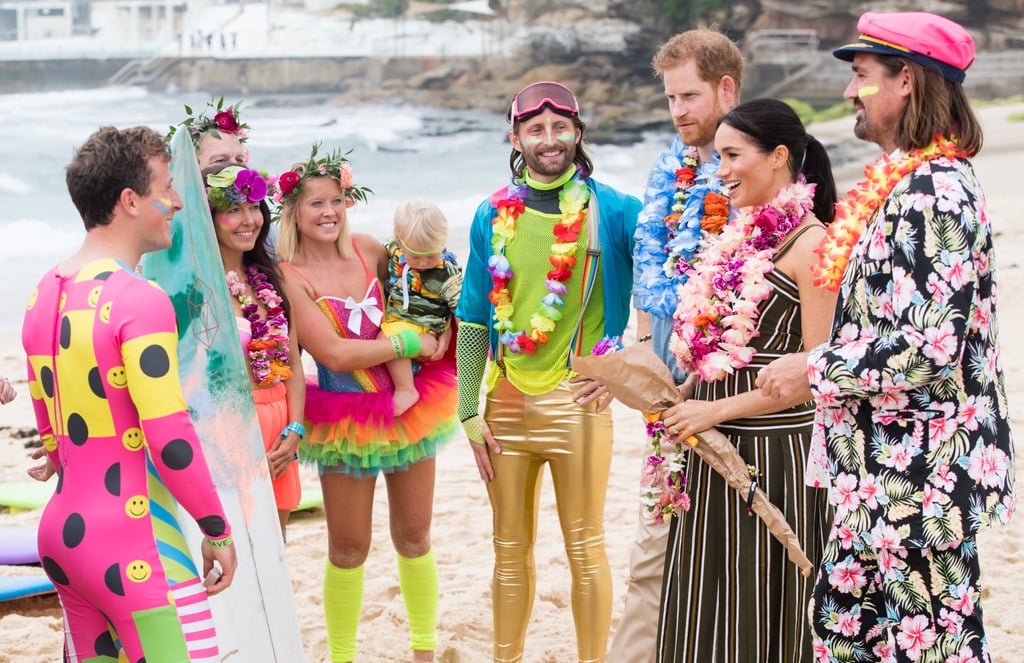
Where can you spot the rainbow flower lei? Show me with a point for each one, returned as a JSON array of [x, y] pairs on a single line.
[[717, 314], [663, 483], [509, 203], [671, 224], [268, 347], [861, 202]]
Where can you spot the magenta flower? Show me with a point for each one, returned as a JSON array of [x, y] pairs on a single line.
[[252, 184]]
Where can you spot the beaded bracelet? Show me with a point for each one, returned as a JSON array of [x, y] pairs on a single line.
[[644, 338], [221, 543], [294, 427]]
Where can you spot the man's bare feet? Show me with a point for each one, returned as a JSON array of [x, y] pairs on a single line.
[[405, 399]]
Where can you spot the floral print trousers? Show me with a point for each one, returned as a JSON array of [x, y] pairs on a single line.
[[890, 604]]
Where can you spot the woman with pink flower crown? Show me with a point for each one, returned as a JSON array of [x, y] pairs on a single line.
[[730, 592], [241, 219], [333, 280]]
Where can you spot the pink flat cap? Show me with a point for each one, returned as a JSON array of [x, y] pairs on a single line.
[[928, 39]]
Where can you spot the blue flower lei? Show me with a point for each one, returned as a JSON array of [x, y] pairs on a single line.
[[659, 252]]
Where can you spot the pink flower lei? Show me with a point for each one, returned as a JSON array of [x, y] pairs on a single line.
[[268, 346], [663, 485], [718, 305]]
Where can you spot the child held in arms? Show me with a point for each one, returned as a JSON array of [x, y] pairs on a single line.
[[423, 287]]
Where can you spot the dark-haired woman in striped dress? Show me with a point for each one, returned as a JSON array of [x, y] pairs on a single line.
[[730, 593]]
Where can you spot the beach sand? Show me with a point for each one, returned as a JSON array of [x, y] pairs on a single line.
[[31, 630]]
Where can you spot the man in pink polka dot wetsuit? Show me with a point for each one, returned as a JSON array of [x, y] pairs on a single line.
[[102, 357]]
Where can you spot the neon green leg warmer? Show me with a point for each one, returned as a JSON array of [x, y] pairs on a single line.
[[343, 601], [418, 579]]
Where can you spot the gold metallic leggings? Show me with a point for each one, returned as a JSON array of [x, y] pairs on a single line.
[[577, 444]]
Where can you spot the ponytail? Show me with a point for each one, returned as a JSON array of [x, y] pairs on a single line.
[[817, 169]]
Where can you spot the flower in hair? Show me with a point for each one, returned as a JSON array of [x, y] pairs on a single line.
[[334, 164], [227, 121], [214, 119], [287, 182], [235, 186]]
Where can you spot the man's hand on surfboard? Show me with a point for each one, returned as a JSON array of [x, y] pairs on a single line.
[[226, 563]]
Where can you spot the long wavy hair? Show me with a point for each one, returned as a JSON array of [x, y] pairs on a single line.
[[259, 255], [936, 106]]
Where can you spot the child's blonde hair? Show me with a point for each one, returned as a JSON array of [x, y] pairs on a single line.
[[421, 222]]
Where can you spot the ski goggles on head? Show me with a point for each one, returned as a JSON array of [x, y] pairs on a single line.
[[532, 98]]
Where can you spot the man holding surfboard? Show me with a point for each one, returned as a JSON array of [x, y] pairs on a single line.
[[101, 344]]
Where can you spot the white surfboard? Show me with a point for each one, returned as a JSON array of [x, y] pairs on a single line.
[[255, 617]]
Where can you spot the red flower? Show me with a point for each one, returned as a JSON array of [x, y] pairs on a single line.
[[560, 274], [287, 182], [226, 121], [566, 233], [526, 344]]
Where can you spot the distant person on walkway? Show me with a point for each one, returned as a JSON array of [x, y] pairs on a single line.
[[101, 344], [217, 133], [912, 410], [548, 277], [701, 71]]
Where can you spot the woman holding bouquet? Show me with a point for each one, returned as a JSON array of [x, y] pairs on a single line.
[[730, 593]]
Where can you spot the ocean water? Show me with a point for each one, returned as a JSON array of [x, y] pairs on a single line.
[[455, 158]]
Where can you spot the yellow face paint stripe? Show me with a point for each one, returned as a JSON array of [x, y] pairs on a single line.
[[867, 91]]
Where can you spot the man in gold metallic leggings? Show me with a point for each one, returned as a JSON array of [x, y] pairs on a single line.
[[549, 276]]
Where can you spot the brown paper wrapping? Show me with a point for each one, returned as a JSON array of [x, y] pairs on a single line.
[[637, 377]]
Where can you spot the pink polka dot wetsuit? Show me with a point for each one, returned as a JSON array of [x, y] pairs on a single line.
[[103, 374]]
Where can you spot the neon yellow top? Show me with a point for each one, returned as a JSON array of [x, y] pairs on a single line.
[[528, 253]]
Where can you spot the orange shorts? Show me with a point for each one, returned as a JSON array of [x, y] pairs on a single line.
[[272, 412]]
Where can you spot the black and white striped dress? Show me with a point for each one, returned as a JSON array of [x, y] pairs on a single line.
[[730, 594]]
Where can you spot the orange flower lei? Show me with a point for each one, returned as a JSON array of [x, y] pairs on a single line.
[[861, 202]]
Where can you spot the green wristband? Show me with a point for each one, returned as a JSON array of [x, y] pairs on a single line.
[[410, 343], [221, 543]]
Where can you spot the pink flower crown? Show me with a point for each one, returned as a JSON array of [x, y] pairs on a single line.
[[334, 165], [234, 186]]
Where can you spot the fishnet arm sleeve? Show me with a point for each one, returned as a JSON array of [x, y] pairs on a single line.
[[470, 361]]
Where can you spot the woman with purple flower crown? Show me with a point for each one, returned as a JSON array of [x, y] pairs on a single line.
[[730, 592], [333, 280], [241, 220]]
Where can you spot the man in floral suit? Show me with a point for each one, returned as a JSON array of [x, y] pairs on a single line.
[[912, 406]]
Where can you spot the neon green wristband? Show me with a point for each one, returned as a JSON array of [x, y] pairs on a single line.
[[221, 543], [410, 343]]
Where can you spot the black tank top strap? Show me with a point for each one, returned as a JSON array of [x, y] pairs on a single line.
[[788, 243]]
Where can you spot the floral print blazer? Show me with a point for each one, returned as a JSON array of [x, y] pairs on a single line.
[[910, 388]]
